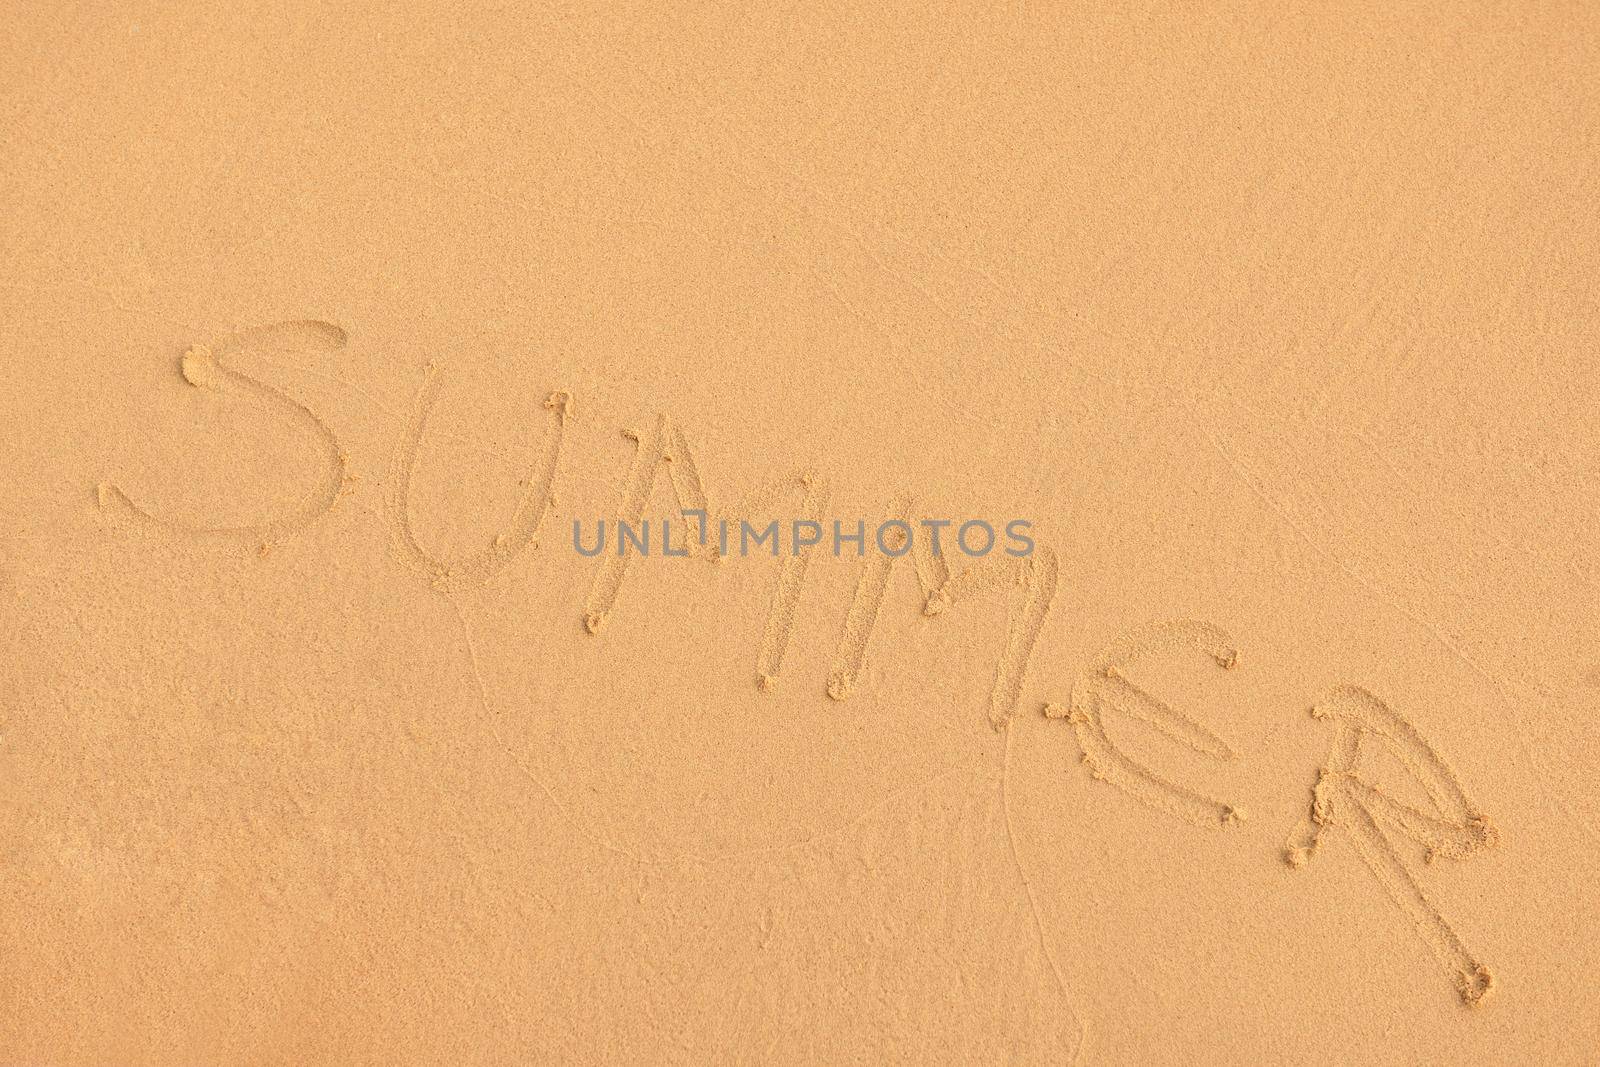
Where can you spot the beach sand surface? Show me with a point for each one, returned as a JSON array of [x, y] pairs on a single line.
[[321, 743]]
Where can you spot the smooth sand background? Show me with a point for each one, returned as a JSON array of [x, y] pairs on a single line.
[[1283, 320]]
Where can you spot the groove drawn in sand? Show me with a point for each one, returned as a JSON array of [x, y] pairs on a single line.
[[1344, 799], [1036, 580], [1105, 687], [1031, 582], [478, 568], [863, 614], [203, 367], [791, 572], [666, 446]]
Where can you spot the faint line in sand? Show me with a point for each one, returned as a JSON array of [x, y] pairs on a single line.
[[1033, 899]]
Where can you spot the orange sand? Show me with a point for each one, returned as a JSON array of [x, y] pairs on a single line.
[[321, 744]]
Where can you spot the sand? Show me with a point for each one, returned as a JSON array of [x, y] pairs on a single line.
[[322, 743]]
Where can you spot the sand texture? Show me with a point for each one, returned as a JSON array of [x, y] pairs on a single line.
[[323, 740]]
